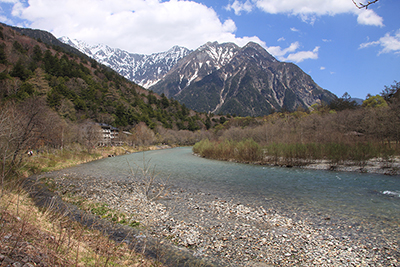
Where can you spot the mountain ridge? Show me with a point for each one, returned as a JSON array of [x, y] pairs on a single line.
[[217, 78], [145, 70], [249, 82]]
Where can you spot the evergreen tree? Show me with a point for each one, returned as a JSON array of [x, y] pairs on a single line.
[[164, 101], [3, 56], [208, 123], [20, 71], [343, 103], [37, 53], [54, 99], [17, 46]]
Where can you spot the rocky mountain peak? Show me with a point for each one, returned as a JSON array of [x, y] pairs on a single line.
[[218, 54], [219, 78], [255, 49], [247, 81]]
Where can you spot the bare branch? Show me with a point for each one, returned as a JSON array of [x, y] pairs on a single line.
[[149, 186], [361, 5]]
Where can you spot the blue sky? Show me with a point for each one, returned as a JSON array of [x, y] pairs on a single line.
[[343, 48]]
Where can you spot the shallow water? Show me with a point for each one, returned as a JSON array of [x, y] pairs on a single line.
[[353, 199]]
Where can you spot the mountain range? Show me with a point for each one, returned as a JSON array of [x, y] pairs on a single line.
[[218, 78], [145, 70]]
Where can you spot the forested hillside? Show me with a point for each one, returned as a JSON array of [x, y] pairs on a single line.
[[78, 88]]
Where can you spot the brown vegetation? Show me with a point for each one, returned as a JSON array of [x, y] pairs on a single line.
[[45, 238], [300, 138]]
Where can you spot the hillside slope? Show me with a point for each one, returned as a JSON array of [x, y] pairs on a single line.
[[79, 88]]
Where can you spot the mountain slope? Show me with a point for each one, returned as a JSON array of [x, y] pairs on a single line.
[[248, 81], [144, 70], [47, 38], [79, 89], [218, 78]]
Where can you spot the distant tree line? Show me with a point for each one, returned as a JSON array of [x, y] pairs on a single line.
[[340, 131]]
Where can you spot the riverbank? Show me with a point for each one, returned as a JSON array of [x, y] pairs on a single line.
[[33, 234], [353, 156], [375, 165], [234, 233]]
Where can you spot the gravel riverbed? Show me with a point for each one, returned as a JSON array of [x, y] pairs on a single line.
[[237, 234]]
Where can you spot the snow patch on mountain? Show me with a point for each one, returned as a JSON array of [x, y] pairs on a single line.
[[220, 55], [195, 75], [145, 70]]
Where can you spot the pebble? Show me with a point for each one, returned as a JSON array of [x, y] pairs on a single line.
[[234, 233]]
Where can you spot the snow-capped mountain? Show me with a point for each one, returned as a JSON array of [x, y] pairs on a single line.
[[247, 81], [202, 62], [219, 78], [144, 70]]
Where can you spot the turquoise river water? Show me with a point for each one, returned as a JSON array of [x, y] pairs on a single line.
[[354, 199]]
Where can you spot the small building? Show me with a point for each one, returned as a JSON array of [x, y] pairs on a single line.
[[109, 135]]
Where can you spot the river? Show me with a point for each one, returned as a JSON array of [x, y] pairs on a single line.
[[245, 213], [357, 198]]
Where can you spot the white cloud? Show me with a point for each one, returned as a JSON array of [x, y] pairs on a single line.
[[388, 43], [322, 68], [140, 26], [293, 29], [277, 51], [365, 45], [5, 20], [290, 54], [369, 17], [308, 18], [303, 55], [281, 39], [308, 10], [306, 7], [238, 7]]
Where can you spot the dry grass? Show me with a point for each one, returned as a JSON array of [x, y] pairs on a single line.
[[44, 238], [56, 159]]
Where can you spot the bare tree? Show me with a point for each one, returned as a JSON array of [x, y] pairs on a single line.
[[149, 185], [55, 136], [6, 130], [22, 126], [89, 134], [361, 5], [143, 135]]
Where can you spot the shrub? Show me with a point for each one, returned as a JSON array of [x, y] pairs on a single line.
[[248, 150]]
